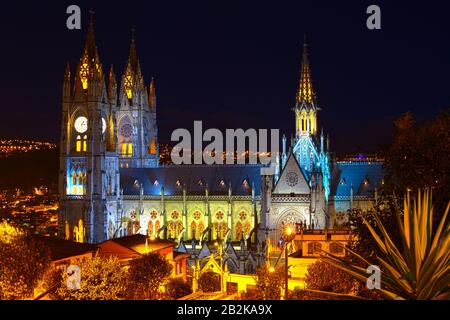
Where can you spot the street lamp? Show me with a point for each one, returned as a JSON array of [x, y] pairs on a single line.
[[289, 236]]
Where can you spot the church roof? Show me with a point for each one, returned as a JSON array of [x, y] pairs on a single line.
[[364, 177], [194, 178]]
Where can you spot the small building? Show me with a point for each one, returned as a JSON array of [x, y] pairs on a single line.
[[66, 252], [132, 247]]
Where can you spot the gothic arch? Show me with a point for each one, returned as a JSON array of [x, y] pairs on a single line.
[[288, 216]]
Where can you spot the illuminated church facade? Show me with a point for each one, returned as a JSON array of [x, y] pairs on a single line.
[[111, 184]]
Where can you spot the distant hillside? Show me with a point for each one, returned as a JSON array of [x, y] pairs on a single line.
[[30, 169]]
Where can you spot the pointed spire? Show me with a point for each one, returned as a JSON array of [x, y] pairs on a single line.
[[132, 56], [112, 90], [66, 85], [90, 47], [306, 91], [132, 80], [67, 72], [90, 68]]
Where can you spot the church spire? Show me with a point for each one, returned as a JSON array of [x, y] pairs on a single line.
[[305, 91], [132, 78], [90, 68], [90, 47], [132, 56]]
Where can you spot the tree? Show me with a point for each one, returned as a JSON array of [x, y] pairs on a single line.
[[300, 294], [386, 210], [269, 283], [146, 274], [209, 281], [419, 158], [23, 261], [325, 277], [420, 267], [177, 288], [101, 279]]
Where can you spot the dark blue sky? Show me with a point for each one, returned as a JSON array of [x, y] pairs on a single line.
[[233, 65]]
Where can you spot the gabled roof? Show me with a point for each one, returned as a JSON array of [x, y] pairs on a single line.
[[364, 177], [292, 166], [63, 249], [204, 252], [194, 178], [141, 244]]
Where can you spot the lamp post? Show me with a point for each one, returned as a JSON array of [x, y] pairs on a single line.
[[289, 236]]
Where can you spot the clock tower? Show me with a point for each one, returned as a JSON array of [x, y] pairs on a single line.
[[89, 164], [137, 130]]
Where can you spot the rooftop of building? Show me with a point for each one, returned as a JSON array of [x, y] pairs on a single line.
[[63, 249], [195, 179]]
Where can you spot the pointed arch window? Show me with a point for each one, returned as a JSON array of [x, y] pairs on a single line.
[[84, 71], [150, 228], [193, 229], [84, 143], [78, 144], [152, 146]]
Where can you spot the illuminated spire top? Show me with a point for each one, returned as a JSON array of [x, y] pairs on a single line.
[[90, 38], [67, 72], [132, 78], [90, 62], [306, 91]]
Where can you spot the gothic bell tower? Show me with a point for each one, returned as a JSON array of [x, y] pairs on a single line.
[[305, 111], [89, 163], [137, 130]]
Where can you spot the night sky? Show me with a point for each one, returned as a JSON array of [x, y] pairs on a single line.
[[237, 65]]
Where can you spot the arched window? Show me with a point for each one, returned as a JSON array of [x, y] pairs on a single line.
[[335, 248], [238, 231], [152, 149], [67, 231], [224, 229], [171, 229], [179, 228], [314, 247], [247, 230], [80, 231], [193, 229], [75, 234], [201, 228], [127, 149], [150, 228], [157, 227], [85, 143], [78, 144]]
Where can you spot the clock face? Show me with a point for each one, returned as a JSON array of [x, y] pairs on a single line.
[[103, 125], [81, 124], [291, 179], [126, 130]]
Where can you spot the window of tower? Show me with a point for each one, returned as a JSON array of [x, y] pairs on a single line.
[[84, 72], [78, 144], [85, 143], [153, 146], [129, 85], [127, 149]]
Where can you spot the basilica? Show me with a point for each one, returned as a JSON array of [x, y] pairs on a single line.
[[112, 185]]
